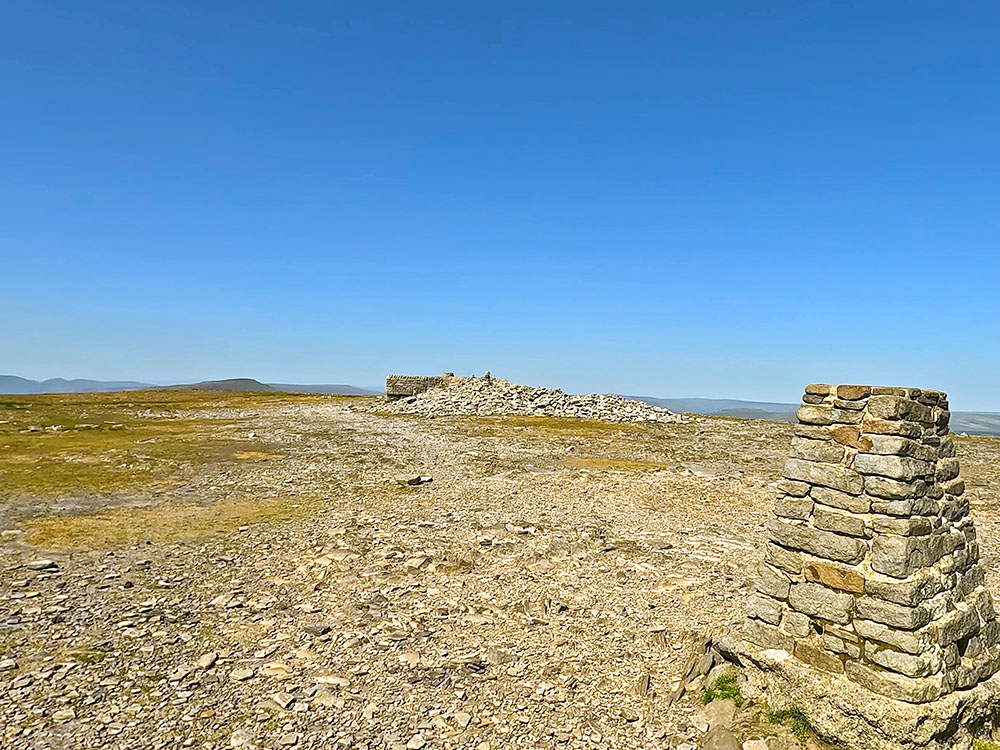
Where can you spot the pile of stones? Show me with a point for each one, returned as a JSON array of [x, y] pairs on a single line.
[[487, 396], [872, 572]]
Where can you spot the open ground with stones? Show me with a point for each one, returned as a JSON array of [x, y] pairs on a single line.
[[243, 569]]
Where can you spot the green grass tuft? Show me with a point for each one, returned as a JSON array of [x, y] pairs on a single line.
[[794, 716], [724, 687]]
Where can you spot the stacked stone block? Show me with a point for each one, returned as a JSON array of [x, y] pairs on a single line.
[[401, 386], [872, 566]]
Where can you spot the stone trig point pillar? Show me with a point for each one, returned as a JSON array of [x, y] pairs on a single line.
[[871, 573]]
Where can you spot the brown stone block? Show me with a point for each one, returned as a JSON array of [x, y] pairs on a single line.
[[851, 436], [818, 389], [874, 426], [835, 576], [853, 392], [818, 657]]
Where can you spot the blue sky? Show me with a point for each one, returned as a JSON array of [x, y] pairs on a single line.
[[676, 199]]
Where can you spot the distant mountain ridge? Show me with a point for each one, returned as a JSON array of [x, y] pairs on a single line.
[[14, 385]]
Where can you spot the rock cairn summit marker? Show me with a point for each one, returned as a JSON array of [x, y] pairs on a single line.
[[872, 571]]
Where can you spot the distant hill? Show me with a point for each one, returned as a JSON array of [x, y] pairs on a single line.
[[12, 384], [15, 385], [231, 384]]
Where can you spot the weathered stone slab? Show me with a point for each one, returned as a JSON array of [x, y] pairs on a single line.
[[764, 609], [818, 601], [818, 450], [901, 468], [840, 577], [900, 687], [842, 500], [793, 507], [815, 541], [829, 475], [818, 658], [893, 615], [768, 636], [839, 522], [772, 582]]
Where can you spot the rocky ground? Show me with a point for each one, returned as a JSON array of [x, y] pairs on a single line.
[[286, 592]]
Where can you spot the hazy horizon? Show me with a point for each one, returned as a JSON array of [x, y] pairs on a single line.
[[651, 199]]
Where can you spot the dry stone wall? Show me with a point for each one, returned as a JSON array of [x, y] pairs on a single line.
[[872, 565], [400, 386]]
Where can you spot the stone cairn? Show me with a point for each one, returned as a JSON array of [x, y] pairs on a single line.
[[872, 567]]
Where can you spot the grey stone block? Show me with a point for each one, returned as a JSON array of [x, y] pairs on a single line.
[[909, 641], [764, 608], [838, 499], [824, 451], [772, 582], [793, 507], [900, 687], [907, 664], [901, 556], [892, 489], [829, 475], [888, 613], [900, 468], [839, 522], [761, 634], [825, 544], [818, 601]]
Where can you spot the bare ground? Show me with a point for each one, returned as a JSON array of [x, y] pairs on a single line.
[[540, 592]]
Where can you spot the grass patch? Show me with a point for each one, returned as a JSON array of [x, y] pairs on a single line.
[[99, 443], [985, 745], [163, 523], [724, 687], [794, 718]]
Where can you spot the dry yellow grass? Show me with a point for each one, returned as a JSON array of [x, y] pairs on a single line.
[[613, 464], [162, 523]]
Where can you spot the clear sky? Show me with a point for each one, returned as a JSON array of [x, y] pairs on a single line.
[[668, 198]]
